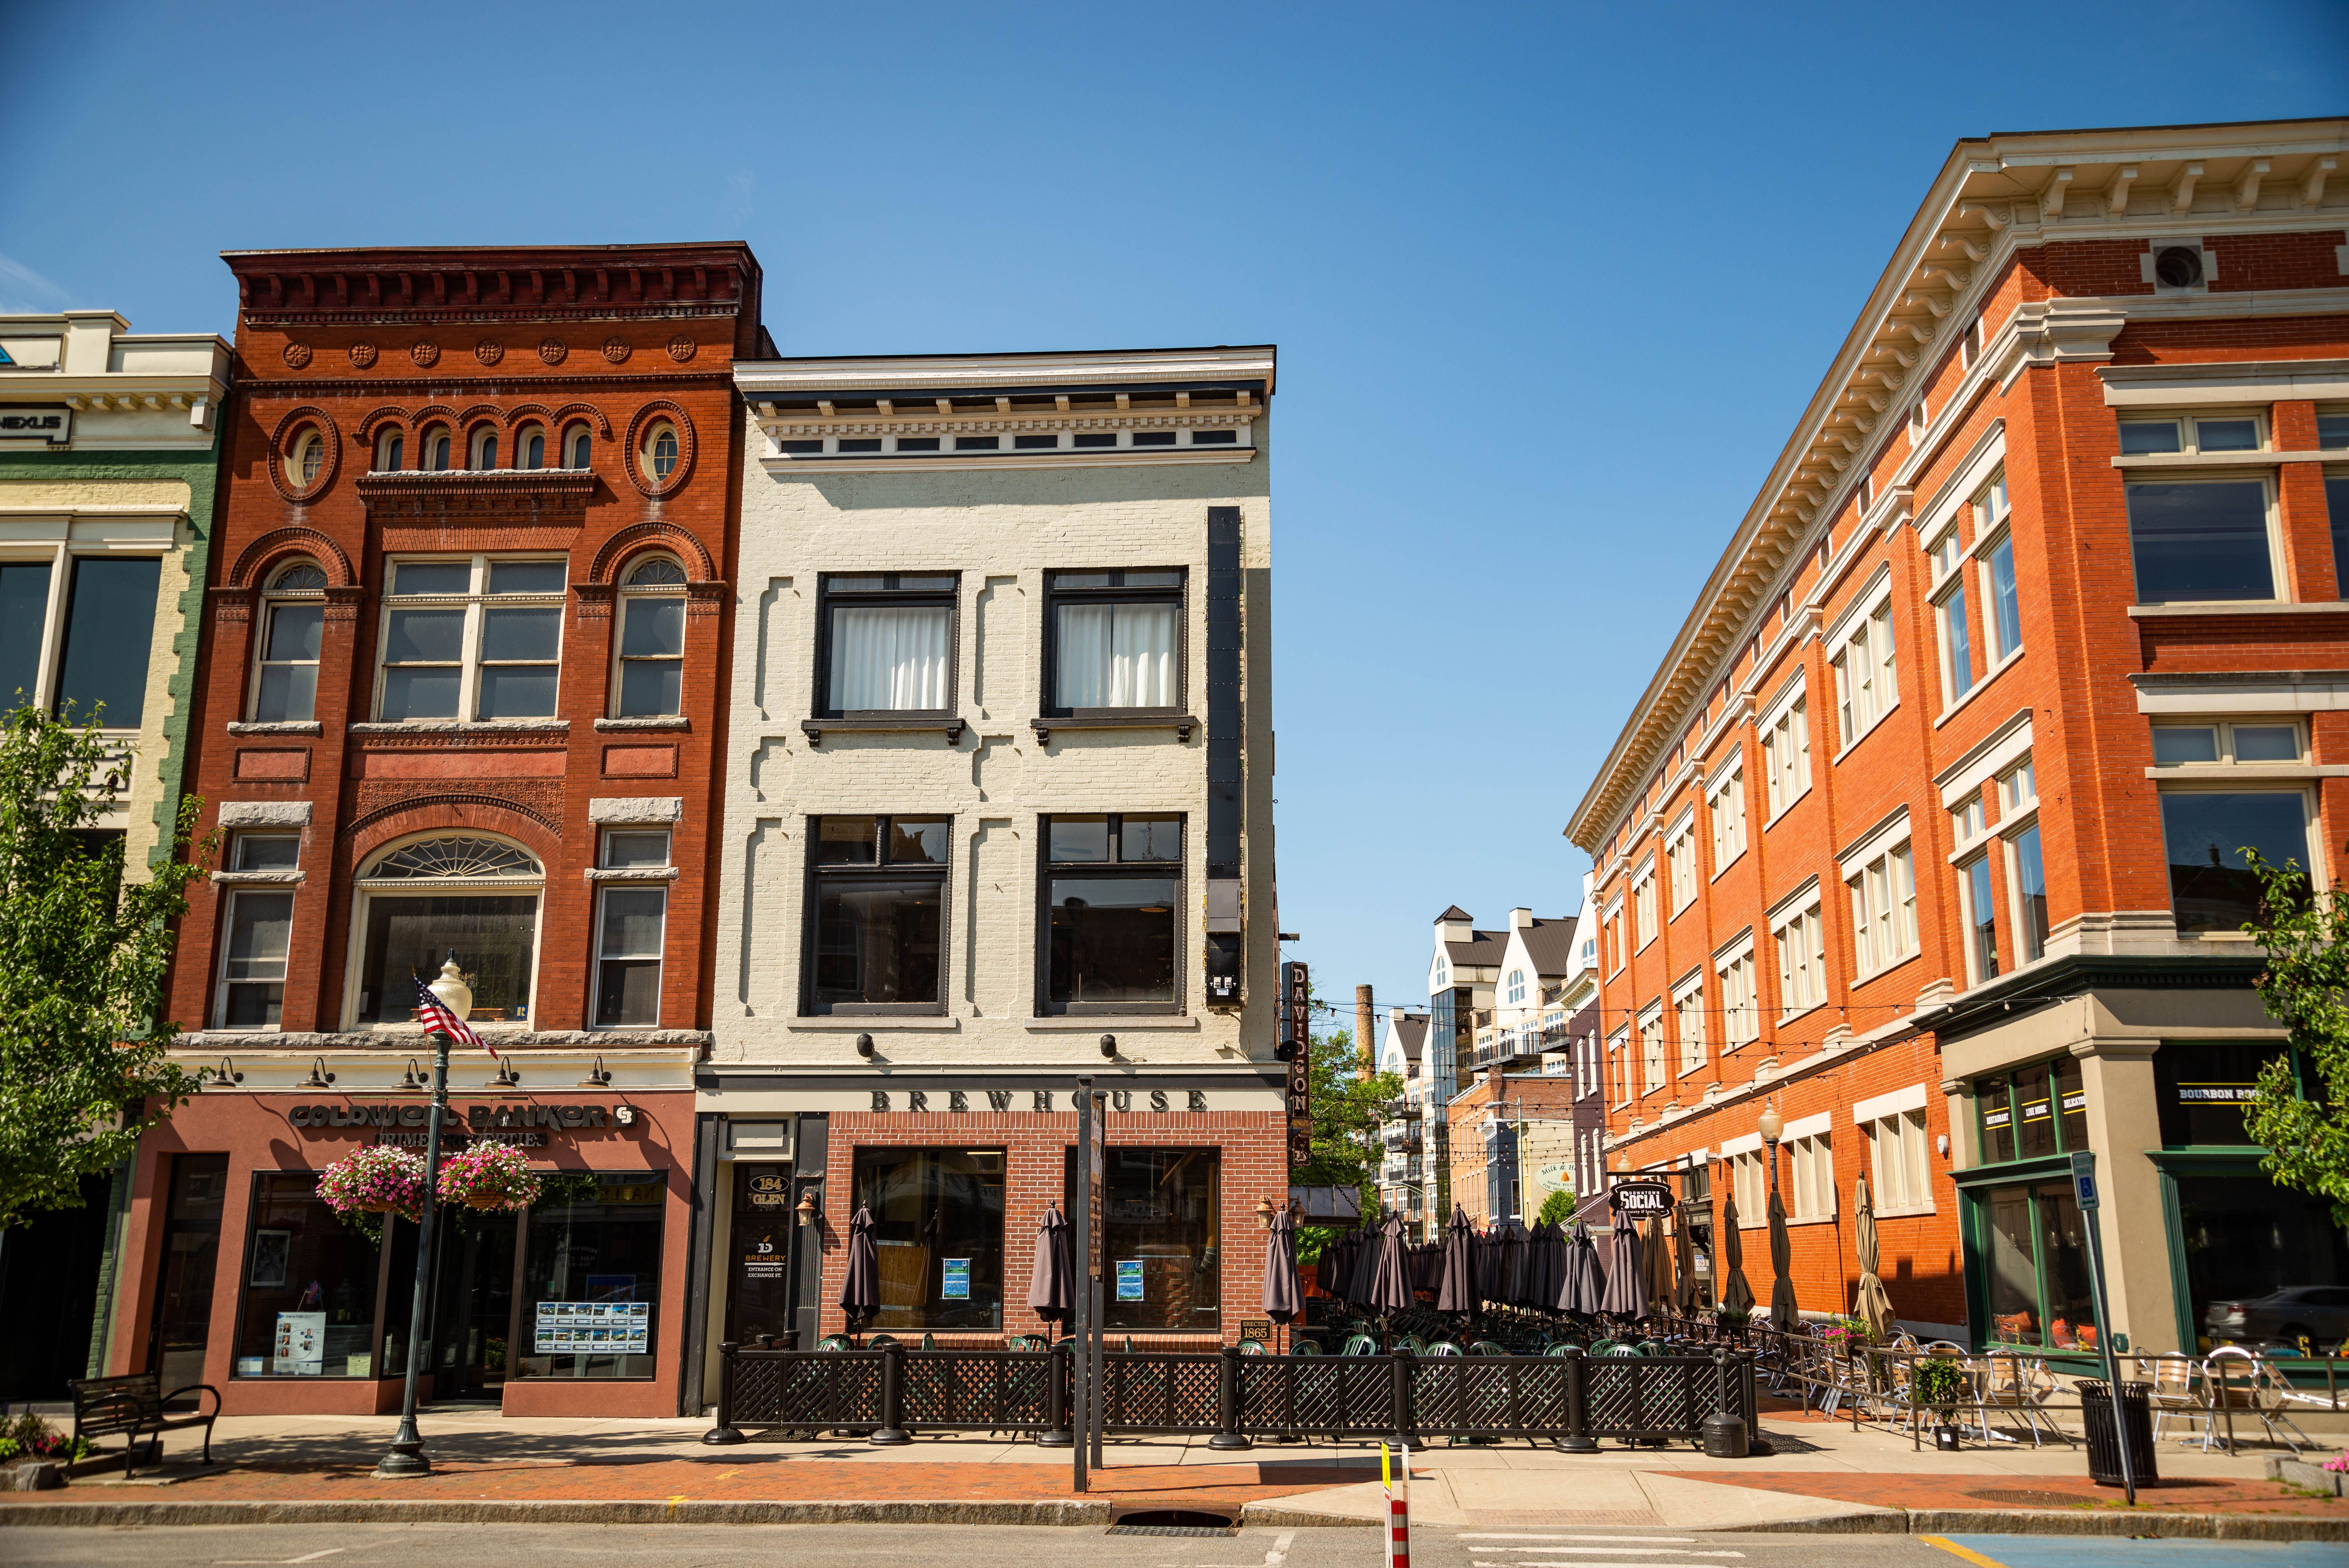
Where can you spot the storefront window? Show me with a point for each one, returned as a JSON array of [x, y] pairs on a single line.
[[2071, 1103], [2035, 1266], [310, 1286], [938, 1230], [591, 1281], [2264, 1264], [1160, 1235], [1992, 1098], [2033, 1112], [2204, 1088]]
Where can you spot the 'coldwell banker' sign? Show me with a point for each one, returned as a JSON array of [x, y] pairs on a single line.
[[523, 1124]]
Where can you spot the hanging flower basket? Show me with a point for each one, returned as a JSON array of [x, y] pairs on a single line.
[[489, 1176], [375, 1181]]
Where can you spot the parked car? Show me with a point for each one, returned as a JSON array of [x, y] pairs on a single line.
[[2316, 1313]]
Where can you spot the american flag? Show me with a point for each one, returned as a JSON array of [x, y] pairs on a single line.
[[434, 1014]]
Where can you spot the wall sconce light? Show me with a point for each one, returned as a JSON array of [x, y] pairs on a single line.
[[1942, 1144], [228, 1073], [505, 1078], [809, 1212], [598, 1075], [864, 1047], [319, 1077], [1109, 1045], [410, 1077]]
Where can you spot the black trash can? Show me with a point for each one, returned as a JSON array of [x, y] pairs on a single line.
[[2103, 1444]]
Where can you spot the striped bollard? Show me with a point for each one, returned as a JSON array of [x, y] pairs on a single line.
[[1395, 1477]]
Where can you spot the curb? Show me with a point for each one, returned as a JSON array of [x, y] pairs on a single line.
[[2053, 1522], [387, 1511], [1278, 1515]]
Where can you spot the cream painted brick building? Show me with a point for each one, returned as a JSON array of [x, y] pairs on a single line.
[[977, 596]]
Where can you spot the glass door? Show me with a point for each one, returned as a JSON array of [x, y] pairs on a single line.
[[473, 1311], [758, 1285], [183, 1296]]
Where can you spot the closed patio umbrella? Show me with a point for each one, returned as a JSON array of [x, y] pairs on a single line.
[[1872, 1304], [1684, 1258], [860, 1287], [1736, 1296], [1284, 1297], [1623, 1297], [1658, 1259], [1584, 1287], [1049, 1295], [1456, 1289], [1390, 1290], [1784, 1314]]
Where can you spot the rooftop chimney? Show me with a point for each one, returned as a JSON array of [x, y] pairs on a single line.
[[1521, 919]]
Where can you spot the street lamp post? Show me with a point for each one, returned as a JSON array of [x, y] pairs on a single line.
[[407, 1458], [1770, 1127]]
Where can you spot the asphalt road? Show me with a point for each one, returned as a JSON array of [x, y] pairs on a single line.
[[982, 1546]]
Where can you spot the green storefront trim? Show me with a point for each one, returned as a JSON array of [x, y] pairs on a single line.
[[2194, 1160], [1973, 1226]]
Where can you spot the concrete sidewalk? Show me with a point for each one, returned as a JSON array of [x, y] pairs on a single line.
[[1821, 1475]]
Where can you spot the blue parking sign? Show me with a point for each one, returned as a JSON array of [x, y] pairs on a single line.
[[2084, 1181]]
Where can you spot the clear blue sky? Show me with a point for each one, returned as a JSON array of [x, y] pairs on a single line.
[[1550, 283]]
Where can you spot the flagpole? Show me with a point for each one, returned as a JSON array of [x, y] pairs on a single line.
[[407, 1458]]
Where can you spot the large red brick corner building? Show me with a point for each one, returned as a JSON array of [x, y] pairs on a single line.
[[1928, 830]]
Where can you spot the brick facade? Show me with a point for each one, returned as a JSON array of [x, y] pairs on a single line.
[[2071, 333]]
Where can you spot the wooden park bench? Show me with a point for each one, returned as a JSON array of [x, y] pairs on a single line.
[[132, 1408]]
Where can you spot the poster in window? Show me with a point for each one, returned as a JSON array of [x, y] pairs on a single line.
[[604, 1328], [1129, 1279], [272, 1253], [300, 1348], [956, 1283]]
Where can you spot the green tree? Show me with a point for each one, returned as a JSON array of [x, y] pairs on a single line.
[[2299, 1109], [1557, 1209], [83, 954]]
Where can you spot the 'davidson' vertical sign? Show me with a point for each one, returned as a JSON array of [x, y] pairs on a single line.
[[1297, 1040]]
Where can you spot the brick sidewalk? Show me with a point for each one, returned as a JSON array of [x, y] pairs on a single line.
[[1917, 1492]]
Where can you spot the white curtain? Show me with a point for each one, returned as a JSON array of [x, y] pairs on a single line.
[[886, 657], [1116, 656]]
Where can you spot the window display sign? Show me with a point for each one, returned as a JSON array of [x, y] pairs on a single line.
[[955, 1284], [594, 1328], [1129, 1279], [301, 1345]]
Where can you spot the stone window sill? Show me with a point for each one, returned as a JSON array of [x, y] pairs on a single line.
[[256, 878], [631, 873], [672, 722], [286, 727], [1182, 723], [465, 727], [817, 728]]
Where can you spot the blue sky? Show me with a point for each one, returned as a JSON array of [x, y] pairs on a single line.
[[1549, 283]]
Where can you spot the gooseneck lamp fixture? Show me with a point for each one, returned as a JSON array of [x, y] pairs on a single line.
[[406, 1457]]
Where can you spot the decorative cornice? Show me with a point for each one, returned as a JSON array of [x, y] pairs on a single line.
[[1163, 367]]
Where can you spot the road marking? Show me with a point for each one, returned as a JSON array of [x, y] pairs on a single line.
[[1279, 1552], [1651, 1540], [276, 1562], [1966, 1552], [1607, 1551]]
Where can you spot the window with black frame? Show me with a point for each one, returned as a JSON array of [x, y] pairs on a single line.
[[937, 1236], [591, 1276], [886, 645], [877, 892], [1113, 642], [1162, 1233], [308, 1307], [1113, 887]]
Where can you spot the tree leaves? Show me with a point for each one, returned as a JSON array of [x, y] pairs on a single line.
[[85, 947], [2299, 1109]]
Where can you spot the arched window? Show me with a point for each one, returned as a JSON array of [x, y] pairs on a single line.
[[286, 663], [650, 681], [530, 447], [306, 457], [464, 895], [390, 452], [436, 449], [1516, 985], [659, 454], [581, 443], [485, 448]]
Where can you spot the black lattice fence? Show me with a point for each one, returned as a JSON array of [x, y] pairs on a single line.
[[1317, 1396], [993, 1390]]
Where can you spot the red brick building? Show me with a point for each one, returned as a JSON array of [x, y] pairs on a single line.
[[464, 684], [1928, 830]]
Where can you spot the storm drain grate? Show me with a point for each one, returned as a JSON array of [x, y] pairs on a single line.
[[1172, 1521]]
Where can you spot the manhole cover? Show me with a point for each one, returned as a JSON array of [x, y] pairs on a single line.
[[2020, 1499]]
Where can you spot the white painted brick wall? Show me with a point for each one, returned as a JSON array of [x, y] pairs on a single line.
[[1003, 529]]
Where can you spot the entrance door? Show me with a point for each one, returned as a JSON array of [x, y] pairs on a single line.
[[758, 1285], [183, 1296], [48, 1294], [472, 1313]]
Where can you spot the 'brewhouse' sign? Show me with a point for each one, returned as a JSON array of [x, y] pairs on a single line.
[[957, 1100]]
